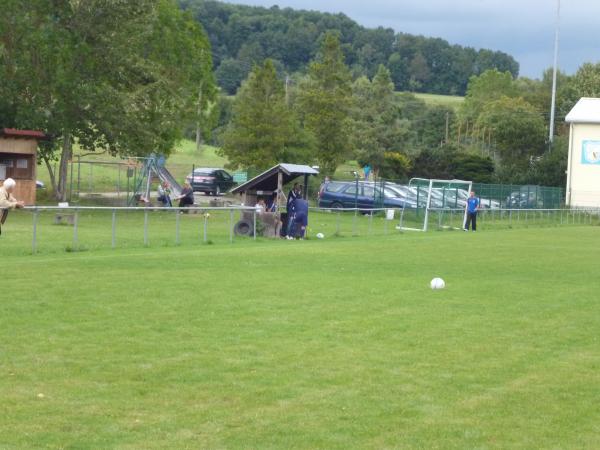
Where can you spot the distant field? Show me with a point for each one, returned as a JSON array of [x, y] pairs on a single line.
[[333, 344], [445, 100]]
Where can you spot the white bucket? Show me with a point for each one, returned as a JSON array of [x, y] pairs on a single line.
[[389, 214]]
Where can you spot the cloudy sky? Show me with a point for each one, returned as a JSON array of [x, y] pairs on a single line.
[[522, 28]]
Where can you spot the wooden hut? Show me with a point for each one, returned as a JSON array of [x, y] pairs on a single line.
[[268, 184], [18, 151]]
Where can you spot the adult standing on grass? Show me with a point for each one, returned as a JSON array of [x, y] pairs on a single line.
[[7, 201], [291, 209], [472, 209]]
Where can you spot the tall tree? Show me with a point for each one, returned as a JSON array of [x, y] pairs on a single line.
[[518, 131], [325, 101], [378, 128], [121, 77], [485, 88], [263, 130]]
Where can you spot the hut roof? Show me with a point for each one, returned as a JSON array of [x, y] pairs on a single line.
[[267, 181], [14, 133]]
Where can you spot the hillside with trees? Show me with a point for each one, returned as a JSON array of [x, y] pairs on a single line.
[[499, 134], [242, 36]]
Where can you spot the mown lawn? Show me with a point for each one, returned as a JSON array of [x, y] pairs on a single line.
[[452, 101], [335, 343]]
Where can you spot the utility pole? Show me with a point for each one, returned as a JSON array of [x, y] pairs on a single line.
[[555, 73], [199, 119]]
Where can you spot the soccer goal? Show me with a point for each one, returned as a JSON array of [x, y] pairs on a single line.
[[439, 203]]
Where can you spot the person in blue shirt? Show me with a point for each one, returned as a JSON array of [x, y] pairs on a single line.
[[472, 209], [367, 171]]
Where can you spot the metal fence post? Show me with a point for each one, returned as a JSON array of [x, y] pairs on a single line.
[[146, 227], [385, 223], [34, 239], [254, 223], [75, 230], [354, 222], [231, 226], [205, 228], [114, 229], [177, 220]]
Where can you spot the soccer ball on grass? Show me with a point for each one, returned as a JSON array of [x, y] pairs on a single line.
[[437, 283]]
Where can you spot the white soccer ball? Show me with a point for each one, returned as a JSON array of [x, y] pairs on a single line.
[[437, 283], [320, 236]]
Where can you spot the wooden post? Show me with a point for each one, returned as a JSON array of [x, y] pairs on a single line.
[[279, 192]]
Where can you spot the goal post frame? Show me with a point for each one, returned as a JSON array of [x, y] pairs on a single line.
[[431, 182]]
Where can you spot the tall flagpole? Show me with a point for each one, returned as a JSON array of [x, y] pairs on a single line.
[[555, 73]]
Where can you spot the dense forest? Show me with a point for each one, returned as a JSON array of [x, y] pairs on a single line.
[[242, 36]]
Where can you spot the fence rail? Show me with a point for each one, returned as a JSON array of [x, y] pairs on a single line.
[[75, 228]]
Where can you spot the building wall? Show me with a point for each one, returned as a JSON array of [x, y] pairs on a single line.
[[21, 149], [583, 178], [22, 146]]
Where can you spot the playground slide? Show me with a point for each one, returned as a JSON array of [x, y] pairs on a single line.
[[165, 175]]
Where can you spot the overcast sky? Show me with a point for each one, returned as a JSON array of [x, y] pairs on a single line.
[[522, 28]]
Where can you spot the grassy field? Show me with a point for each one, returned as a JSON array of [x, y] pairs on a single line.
[[335, 343], [444, 100]]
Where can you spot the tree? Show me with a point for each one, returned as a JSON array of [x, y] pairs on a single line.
[[518, 131], [587, 80], [325, 102], [419, 72], [378, 128], [486, 88], [120, 77], [551, 168], [230, 74], [263, 130], [472, 167]]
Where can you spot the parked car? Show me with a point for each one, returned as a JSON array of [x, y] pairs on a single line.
[[525, 197], [210, 181], [344, 194]]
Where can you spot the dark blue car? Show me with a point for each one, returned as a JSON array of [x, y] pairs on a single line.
[[349, 194]]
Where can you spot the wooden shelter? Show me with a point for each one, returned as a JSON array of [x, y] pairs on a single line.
[[268, 184], [18, 151], [272, 181]]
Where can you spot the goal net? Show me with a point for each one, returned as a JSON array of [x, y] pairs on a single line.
[[437, 204]]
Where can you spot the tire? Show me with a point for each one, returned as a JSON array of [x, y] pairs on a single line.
[[218, 191], [336, 205], [206, 192], [243, 228]]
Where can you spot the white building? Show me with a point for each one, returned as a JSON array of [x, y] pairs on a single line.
[[583, 173]]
